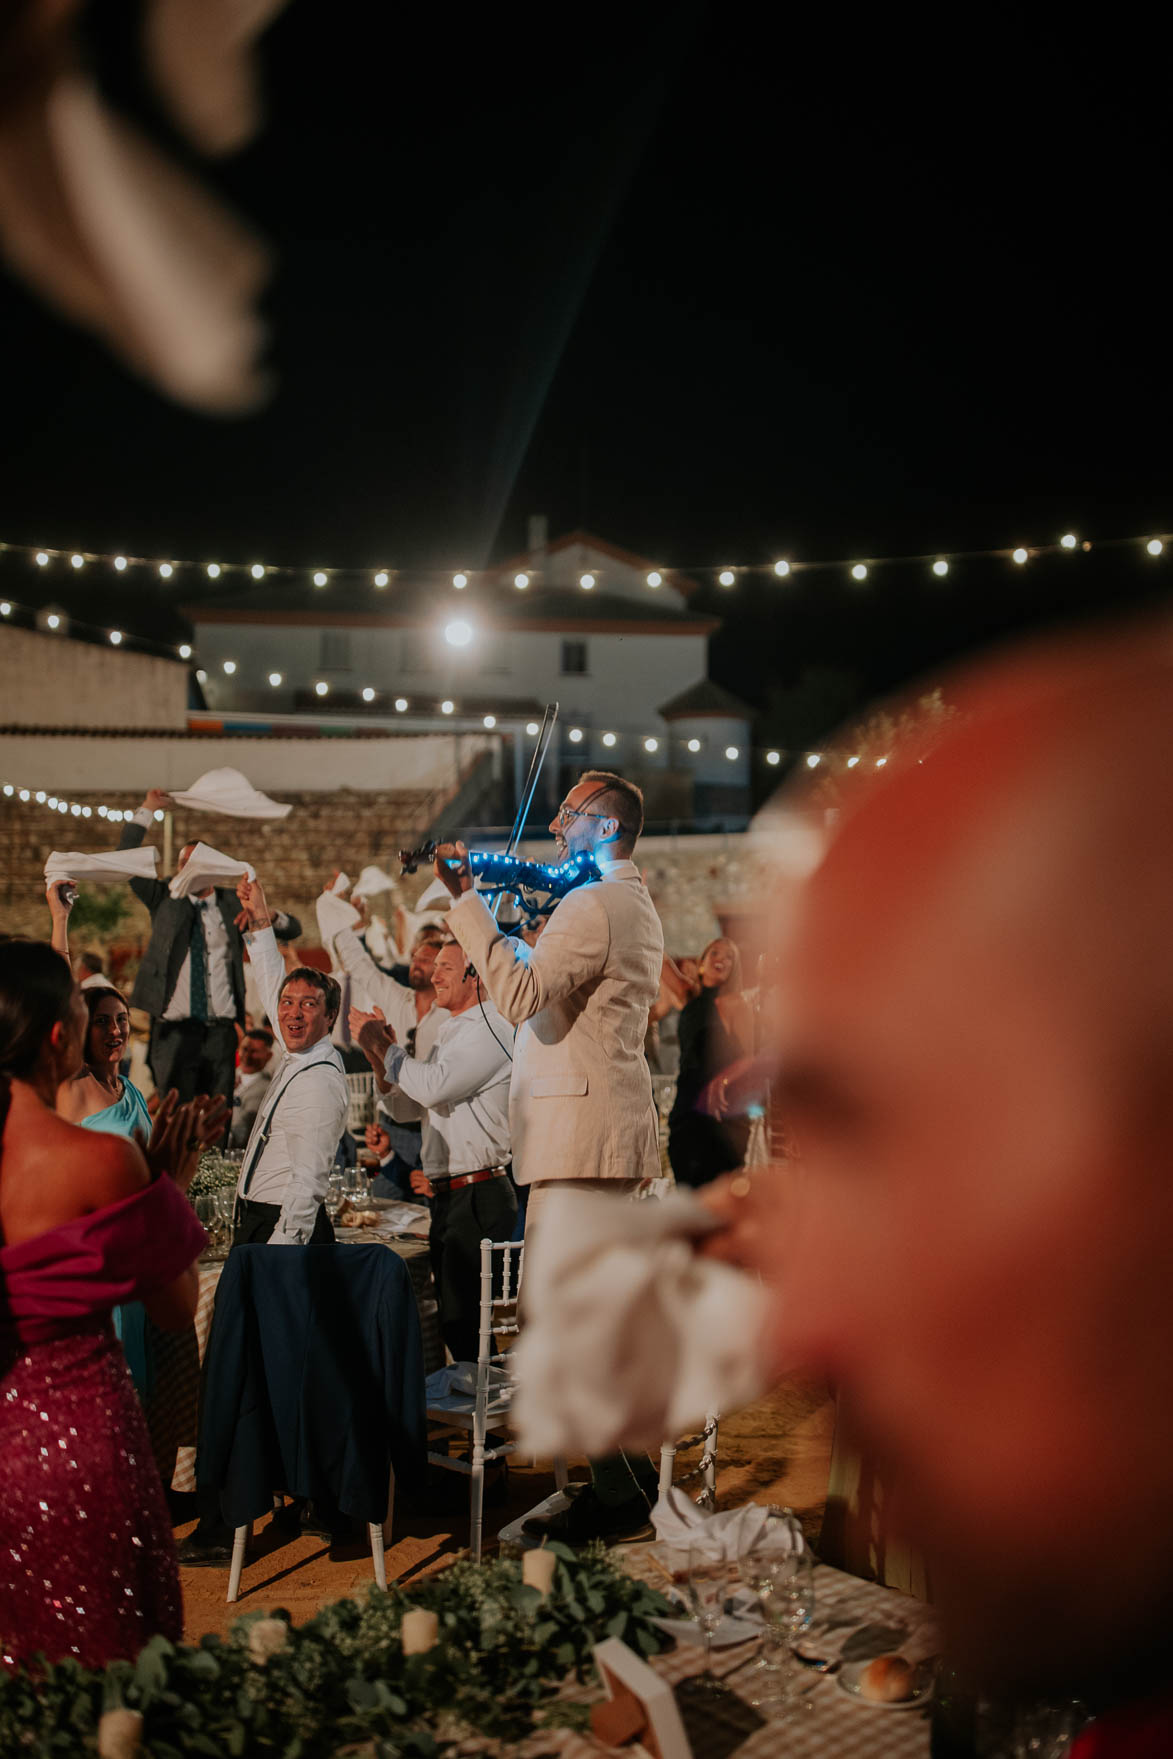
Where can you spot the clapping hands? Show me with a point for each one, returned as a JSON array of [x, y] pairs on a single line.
[[181, 1132]]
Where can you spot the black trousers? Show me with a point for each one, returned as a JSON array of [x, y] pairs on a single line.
[[254, 1222], [701, 1148], [460, 1221], [193, 1056]]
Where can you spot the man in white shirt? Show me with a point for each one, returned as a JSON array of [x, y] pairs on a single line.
[[463, 1084], [290, 1152]]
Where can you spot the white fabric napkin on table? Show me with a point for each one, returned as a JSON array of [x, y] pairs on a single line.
[[101, 867], [229, 792], [629, 1337], [679, 1521], [206, 867]]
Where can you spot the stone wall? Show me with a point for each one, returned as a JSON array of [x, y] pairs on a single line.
[[51, 681]]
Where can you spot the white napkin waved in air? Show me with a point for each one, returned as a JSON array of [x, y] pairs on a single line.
[[206, 867], [630, 1338], [229, 792], [370, 882], [101, 866], [334, 914], [340, 885]]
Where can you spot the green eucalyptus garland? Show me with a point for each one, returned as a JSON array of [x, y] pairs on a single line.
[[341, 1682]]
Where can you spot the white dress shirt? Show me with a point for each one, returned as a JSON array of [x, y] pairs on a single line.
[[397, 1001], [464, 1085], [217, 967], [292, 1167]]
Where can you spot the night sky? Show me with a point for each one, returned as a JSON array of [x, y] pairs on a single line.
[[715, 291]]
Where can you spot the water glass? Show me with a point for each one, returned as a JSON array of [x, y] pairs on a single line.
[[335, 1195], [706, 1582]]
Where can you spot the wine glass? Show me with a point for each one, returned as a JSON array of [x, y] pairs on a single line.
[[335, 1195], [225, 1209], [707, 1583], [788, 1609], [762, 1565]]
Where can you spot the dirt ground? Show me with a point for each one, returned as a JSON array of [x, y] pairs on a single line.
[[775, 1451]]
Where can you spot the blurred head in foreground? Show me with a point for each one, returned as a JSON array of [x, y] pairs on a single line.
[[976, 1031]]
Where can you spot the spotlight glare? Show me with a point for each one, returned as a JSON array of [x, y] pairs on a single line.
[[458, 633]]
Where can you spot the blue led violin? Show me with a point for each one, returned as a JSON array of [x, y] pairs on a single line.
[[536, 886]]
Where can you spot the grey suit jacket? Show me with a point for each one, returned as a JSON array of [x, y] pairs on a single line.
[[172, 921], [580, 1098]]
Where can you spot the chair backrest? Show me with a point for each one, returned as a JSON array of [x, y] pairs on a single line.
[[501, 1263], [362, 1099]]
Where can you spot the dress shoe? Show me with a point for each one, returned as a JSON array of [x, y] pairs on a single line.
[[196, 1553], [587, 1518]]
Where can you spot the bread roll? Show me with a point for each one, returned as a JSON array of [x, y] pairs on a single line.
[[887, 1680]]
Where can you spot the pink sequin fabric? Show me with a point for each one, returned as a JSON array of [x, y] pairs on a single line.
[[87, 1559]]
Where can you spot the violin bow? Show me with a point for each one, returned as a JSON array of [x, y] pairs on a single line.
[[545, 734]]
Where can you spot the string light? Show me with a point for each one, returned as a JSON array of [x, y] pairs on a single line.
[[531, 728], [401, 705], [201, 676], [851, 762], [320, 578], [5, 608], [166, 570], [120, 564], [587, 582], [814, 760], [213, 570], [521, 581], [381, 577], [773, 757], [781, 569], [368, 694], [229, 667], [655, 578], [257, 571], [1020, 555], [321, 688], [185, 651], [42, 559], [608, 740], [727, 577], [460, 581], [458, 633], [694, 745], [859, 572], [940, 568], [651, 745], [53, 620], [490, 721], [732, 753], [1154, 546], [275, 679], [116, 638], [575, 735], [77, 561], [447, 706], [1069, 541], [880, 762]]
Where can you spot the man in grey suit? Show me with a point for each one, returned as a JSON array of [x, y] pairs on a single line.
[[191, 980], [580, 1098]]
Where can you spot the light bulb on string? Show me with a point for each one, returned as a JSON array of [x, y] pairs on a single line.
[[229, 668], [1068, 541], [320, 577], [655, 578], [521, 581], [53, 620], [859, 572], [489, 721], [880, 762], [5, 608], [587, 582], [166, 570], [321, 688], [851, 762], [651, 745], [460, 581], [814, 759], [120, 564], [381, 577], [213, 570], [1154, 546], [39, 797], [42, 559], [116, 638], [257, 571], [401, 705], [275, 679], [781, 569], [531, 728], [447, 707], [77, 561], [940, 568], [608, 740], [727, 577], [732, 753], [1019, 555], [575, 735], [185, 651], [773, 757], [368, 694], [694, 745]]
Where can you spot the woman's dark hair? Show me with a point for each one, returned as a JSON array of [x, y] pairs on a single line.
[[36, 987]]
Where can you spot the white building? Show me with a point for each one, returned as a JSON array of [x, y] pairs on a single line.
[[602, 632]]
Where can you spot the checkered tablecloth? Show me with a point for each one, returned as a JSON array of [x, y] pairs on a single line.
[[836, 1726], [174, 1406]]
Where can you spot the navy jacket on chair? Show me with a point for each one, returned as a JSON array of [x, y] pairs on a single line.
[[314, 1380]]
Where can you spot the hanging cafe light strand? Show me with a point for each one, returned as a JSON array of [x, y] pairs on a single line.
[[727, 575]]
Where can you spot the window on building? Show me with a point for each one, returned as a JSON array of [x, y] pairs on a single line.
[[574, 659], [334, 651]]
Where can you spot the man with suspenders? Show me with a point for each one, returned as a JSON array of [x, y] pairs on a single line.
[[291, 1150]]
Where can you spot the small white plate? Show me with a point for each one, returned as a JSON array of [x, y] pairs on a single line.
[[848, 1678]]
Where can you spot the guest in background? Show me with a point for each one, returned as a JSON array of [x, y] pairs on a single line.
[[252, 1083], [716, 1032], [91, 1575], [91, 970], [191, 980]]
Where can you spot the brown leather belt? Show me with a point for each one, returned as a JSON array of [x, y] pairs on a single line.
[[478, 1178]]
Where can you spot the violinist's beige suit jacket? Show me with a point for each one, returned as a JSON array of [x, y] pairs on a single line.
[[580, 1097]]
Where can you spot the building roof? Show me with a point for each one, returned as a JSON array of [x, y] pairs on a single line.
[[630, 559], [705, 699]]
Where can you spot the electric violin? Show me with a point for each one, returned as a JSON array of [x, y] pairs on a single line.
[[536, 886]]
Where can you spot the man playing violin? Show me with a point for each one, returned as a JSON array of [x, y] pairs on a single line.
[[580, 1097]]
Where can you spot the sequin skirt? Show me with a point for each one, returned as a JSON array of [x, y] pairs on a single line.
[[87, 1558]]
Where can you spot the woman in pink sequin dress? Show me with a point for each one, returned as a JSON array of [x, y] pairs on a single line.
[[87, 1560]]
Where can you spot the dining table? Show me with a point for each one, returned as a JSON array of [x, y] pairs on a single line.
[[854, 1621], [173, 1405]]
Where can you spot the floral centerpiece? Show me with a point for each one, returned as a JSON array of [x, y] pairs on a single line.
[[213, 1174], [342, 1682]]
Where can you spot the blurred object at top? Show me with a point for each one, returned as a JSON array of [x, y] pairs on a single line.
[[107, 228]]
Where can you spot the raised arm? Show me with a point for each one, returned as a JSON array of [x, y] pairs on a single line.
[[523, 980], [59, 908], [150, 892], [384, 991], [263, 951]]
